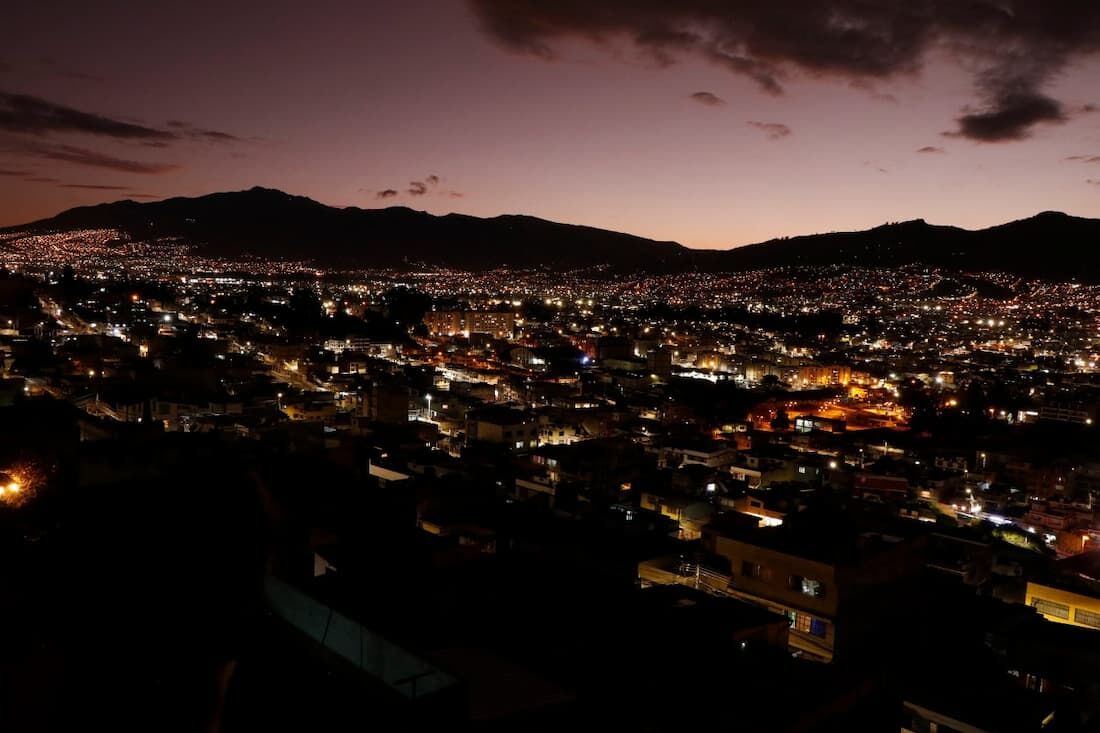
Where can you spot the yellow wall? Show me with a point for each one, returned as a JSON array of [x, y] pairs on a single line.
[[1075, 602], [774, 593]]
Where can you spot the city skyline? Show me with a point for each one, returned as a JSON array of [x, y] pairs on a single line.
[[608, 120], [366, 362]]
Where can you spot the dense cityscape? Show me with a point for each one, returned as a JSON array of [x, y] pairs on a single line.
[[875, 484], [527, 366]]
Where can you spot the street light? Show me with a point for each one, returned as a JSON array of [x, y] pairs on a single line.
[[428, 397], [279, 400]]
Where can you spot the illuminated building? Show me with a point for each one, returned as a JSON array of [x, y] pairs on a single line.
[[463, 323], [1079, 413], [821, 576], [1072, 595], [312, 411], [561, 433], [499, 325], [755, 506], [444, 323], [701, 452], [809, 423], [514, 429], [824, 375], [360, 344], [689, 513]]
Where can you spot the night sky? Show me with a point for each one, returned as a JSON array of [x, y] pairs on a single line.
[[710, 123]]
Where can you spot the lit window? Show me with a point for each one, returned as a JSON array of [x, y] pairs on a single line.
[[807, 586], [1050, 608], [817, 627], [807, 624], [1087, 618]]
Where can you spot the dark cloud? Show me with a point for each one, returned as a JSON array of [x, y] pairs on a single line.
[[85, 157], [708, 99], [216, 136], [775, 130], [1093, 181], [415, 188], [31, 119], [456, 194], [1009, 117], [41, 179], [94, 186], [26, 114], [188, 130], [8, 172], [930, 149], [1085, 158], [1013, 50]]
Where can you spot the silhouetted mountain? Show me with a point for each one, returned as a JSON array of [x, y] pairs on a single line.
[[277, 225], [273, 224], [1049, 245]]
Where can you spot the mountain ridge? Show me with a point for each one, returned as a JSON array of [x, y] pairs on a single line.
[[271, 223]]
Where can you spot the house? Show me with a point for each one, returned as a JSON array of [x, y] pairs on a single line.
[[506, 426], [1071, 593], [701, 452], [822, 572]]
